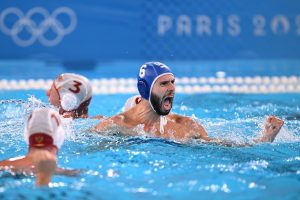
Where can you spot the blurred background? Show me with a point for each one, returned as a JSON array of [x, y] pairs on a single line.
[[202, 38]]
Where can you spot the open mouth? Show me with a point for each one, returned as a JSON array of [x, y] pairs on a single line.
[[167, 102]]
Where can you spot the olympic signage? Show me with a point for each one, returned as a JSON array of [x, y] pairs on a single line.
[[205, 25], [37, 30], [152, 30]]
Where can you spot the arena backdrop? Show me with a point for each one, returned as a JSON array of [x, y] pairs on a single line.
[[89, 31]]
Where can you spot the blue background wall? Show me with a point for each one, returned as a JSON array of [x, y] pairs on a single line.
[[88, 31]]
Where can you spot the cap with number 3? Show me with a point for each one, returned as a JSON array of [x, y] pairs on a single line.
[[73, 89]]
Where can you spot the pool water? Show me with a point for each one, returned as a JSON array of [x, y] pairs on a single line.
[[119, 167]]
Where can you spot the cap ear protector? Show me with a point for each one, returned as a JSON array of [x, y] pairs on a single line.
[[143, 89], [69, 101]]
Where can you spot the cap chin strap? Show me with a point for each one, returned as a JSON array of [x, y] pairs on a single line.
[[162, 122], [162, 119]]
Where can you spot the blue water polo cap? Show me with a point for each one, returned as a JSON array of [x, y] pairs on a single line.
[[148, 74]]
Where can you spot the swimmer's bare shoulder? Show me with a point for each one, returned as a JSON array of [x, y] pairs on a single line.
[[106, 124], [192, 127]]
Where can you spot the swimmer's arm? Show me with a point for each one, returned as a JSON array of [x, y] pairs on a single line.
[[14, 164], [104, 125], [7, 165], [44, 178], [67, 172], [269, 131], [98, 117], [107, 124], [198, 132], [226, 143], [4, 163], [46, 166]]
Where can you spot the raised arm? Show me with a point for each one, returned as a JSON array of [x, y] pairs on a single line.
[[270, 130]]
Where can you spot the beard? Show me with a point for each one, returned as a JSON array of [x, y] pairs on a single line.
[[157, 104]]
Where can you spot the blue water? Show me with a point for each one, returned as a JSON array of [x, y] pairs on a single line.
[[119, 167]]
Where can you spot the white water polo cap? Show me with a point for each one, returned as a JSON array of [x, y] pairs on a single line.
[[73, 90], [44, 128], [131, 102]]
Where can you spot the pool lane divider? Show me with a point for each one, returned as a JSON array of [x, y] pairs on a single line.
[[186, 85]]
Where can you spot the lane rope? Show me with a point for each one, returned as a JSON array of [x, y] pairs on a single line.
[[189, 85]]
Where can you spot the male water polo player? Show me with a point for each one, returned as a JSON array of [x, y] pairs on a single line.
[[72, 94], [155, 83], [44, 135]]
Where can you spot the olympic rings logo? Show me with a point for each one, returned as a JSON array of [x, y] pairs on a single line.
[[37, 31]]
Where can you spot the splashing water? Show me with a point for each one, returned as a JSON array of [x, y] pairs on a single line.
[[138, 167]]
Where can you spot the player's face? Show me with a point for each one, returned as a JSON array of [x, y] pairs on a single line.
[[53, 96], [163, 93]]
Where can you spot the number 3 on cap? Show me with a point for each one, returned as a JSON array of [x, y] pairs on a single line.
[[142, 71], [76, 86]]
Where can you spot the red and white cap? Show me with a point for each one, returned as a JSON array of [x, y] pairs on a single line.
[[73, 90], [44, 128], [131, 102]]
